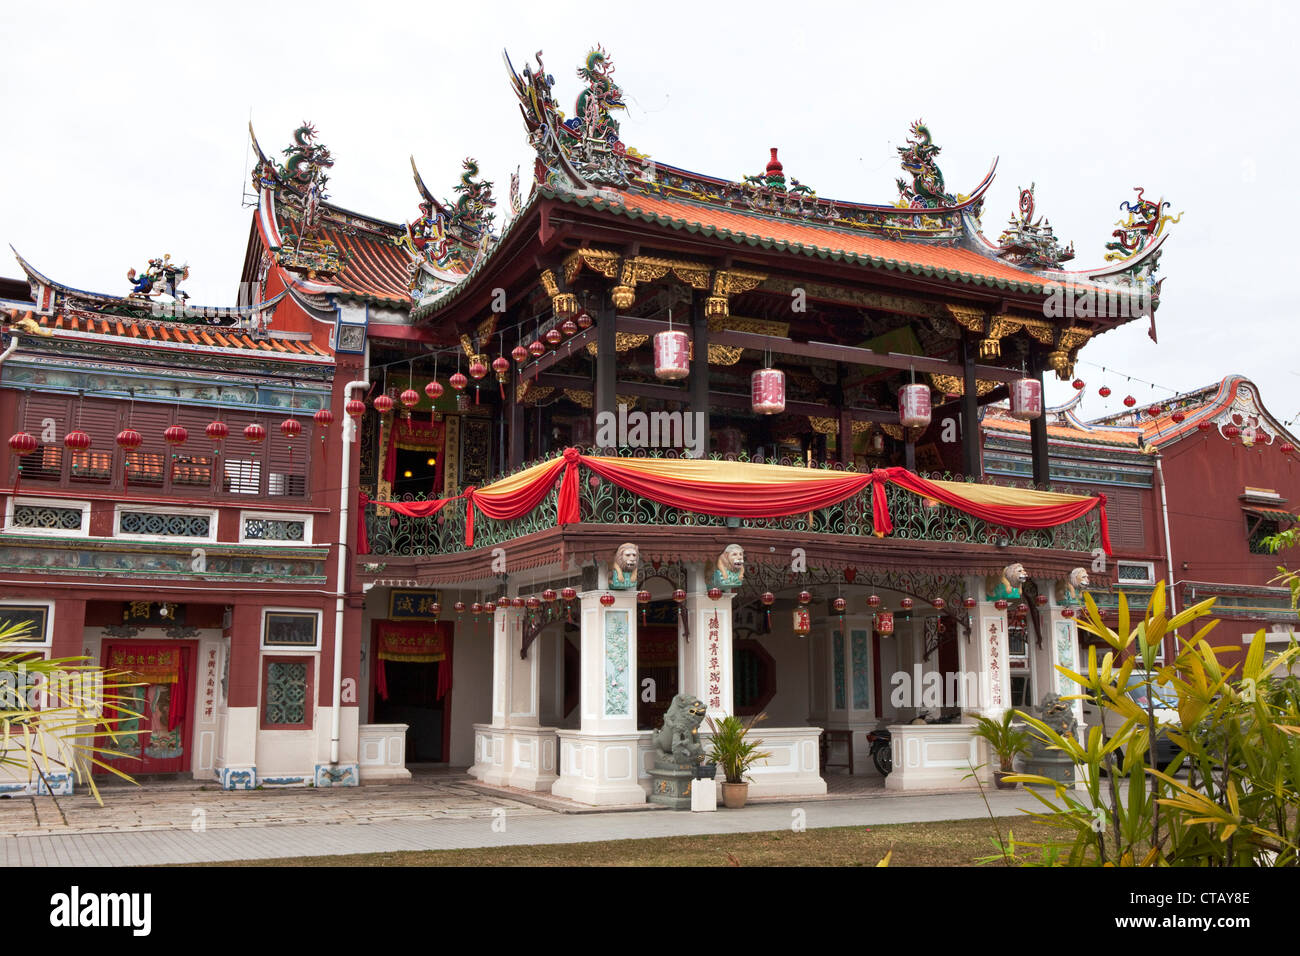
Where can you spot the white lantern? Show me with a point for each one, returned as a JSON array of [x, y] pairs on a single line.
[[1026, 398], [767, 391], [672, 355], [914, 406]]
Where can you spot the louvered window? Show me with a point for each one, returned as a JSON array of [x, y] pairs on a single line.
[[1127, 522], [242, 476]]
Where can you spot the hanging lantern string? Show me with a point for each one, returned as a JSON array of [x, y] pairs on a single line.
[[1133, 378]]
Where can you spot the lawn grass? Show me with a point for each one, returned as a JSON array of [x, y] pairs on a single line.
[[943, 843]]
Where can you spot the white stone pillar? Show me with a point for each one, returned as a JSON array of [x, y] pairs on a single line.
[[989, 638], [599, 761], [705, 653], [514, 750]]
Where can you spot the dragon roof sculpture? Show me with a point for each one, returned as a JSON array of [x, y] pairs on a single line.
[[1144, 225], [447, 238]]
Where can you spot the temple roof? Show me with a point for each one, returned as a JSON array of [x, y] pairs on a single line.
[[134, 331], [1064, 430]]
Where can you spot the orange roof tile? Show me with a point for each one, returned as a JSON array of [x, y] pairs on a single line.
[[1065, 432], [957, 263], [150, 331], [375, 269]]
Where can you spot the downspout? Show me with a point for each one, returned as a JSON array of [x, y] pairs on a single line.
[[345, 496], [1169, 552]]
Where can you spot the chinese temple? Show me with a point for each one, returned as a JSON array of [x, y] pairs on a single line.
[[632, 435]]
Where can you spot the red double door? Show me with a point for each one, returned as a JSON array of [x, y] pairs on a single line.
[[153, 726]]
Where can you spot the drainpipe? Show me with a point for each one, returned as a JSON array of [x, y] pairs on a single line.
[[1169, 551], [345, 496]]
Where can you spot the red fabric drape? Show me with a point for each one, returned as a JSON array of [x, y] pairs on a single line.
[[432, 633], [180, 705], [517, 495]]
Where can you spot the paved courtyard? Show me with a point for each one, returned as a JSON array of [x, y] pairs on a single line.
[[188, 823]]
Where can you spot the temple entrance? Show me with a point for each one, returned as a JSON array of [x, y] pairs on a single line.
[[154, 722], [412, 684]]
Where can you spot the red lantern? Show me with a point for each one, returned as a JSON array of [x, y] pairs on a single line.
[[715, 594], [1130, 401], [1154, 411], [1205, 425], [175, 435], [885, 622], [768, 598], [501, 365], [383, 404], [805, 597], [1000, 604], [217, 431], [839, 604], [939, 604], [1231, 431], [1178, 417], [76, 440], [459, 381], [291, 428], [568, 594], [642, 597], [914, 406], [459, 607], [22, 443], [476, 608], [434, 391], [128, 439], [254, 432], [1286, 448], [970, 603], [583, 319], [672, 355], [490, 607], [679, 596], [519, 354], [1104, 391], [1041, 599], [1022, 608], [323, 418], [1079, 384], [1026, 398], [435, 609], [549, 596], [532, 603], [607, 599], [355, 408], [477, 369], [410, 398], [569, 327], [767, 391], [553, 336], [1067, 612], [537, 349], [517, 602], [873, 601], [905, 604]]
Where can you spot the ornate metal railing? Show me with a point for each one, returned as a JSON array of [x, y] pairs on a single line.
[[602, 502]]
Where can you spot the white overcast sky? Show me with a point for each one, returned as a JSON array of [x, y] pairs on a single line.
[[125, 128]]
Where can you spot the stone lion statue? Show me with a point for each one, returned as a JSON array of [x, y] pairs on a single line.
[[622, 574], [1070, 591], [1009, 584], [1058, 714], [730, 569], [678, 740]]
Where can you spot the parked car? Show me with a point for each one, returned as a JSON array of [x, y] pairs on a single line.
[[1166, 715]]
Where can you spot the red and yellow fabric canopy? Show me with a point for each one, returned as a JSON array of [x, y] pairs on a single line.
[[745, 490]]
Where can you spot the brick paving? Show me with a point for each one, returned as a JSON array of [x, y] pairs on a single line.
[[448, 810]]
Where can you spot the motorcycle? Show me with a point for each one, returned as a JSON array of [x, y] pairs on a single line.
[[882, 751]]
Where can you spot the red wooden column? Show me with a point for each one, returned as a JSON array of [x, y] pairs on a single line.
[[69, 628], [245, 654]]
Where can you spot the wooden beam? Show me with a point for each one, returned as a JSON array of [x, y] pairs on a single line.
[[849, 354]]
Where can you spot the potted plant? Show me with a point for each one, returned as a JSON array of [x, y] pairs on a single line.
[[731, 748], [1005, 742]]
